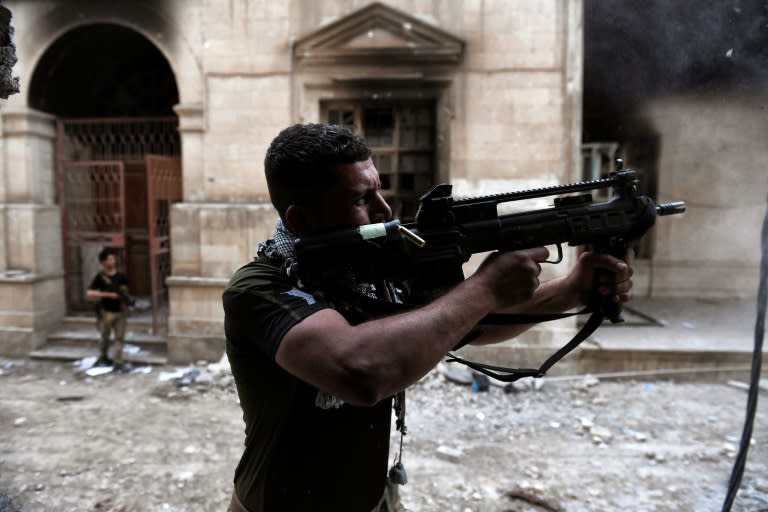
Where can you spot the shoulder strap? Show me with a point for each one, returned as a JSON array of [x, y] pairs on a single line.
[[105, 277]]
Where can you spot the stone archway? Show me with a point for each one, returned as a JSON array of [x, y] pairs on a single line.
[[103, 70]]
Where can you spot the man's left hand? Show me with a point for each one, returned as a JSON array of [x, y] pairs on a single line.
[[609, 275]]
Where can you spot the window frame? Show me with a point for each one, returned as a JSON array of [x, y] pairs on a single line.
[[351, 115]]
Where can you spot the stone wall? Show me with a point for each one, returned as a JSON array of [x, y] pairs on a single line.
[[509, 119], [713, 158], [32, 276]]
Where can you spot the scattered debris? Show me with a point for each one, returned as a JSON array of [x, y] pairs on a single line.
[[6, 369], [601, 435], [84, 364], [762, 384], [456, 373], [6, 504], [180, 383], [86, 367], [106, 505], [98, 370], [520, 495], [449, 454], [738, 384], [480, 382], [70, 398], [181, 377], [134, 350]]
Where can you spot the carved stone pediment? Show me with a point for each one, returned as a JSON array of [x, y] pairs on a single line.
[[378, 34]]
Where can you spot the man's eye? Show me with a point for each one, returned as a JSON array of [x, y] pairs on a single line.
[[362, 201]]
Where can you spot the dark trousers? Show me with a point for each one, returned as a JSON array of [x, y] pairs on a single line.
[[112, 321], [390, 501]]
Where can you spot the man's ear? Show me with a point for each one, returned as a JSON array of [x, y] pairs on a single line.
[[298, 220]]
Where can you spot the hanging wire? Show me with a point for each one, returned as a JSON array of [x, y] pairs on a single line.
[[746, 436]]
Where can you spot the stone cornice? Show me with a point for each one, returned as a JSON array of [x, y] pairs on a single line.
[[382, 33], [191, 117], [196, 281], [18, 121]]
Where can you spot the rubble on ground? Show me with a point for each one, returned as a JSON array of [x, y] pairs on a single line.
[[575, 445]]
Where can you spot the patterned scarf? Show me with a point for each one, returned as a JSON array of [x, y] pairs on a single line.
[[280, 247]]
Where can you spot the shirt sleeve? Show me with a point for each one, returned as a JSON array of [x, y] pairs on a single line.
[[97, 283], [256, 318]]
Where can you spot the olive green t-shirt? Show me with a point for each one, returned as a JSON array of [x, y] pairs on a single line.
[[297, 455]]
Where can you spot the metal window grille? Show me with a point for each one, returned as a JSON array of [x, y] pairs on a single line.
[[92, 157], [402, 139]]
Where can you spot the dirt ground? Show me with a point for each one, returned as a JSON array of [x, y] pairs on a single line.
[[168, 439]]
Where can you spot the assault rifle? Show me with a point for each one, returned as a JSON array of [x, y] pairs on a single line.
[[428, 254], [125, 298]]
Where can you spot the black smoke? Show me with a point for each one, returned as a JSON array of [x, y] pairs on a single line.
[[639, 49]]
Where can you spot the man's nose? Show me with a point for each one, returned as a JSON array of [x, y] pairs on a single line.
[[382, 211]]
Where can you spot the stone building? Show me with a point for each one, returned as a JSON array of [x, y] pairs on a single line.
[[142, 125]]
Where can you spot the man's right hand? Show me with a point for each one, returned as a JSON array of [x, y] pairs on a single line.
[[512, 276]]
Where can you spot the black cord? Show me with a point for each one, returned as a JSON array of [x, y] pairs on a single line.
[[746, 436]]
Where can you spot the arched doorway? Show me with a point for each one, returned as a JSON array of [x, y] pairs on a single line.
[[117, 157]]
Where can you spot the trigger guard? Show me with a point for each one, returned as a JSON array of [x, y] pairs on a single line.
[[559, 256]]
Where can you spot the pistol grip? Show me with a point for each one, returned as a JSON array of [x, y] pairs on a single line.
[[607, 304], [611, 309]]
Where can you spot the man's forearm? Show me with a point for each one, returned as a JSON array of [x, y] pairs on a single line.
[[365, 363], [550, 297], [412, 343], [98, 294]]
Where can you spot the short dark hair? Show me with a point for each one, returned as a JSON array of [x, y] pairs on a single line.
[[299, 162], [105, 253]]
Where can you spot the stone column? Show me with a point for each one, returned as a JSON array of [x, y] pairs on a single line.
[[191, 130], [32, 298], [209, 232]]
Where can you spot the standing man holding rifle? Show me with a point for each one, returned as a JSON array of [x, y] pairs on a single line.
[[317, 372], [110, 287]]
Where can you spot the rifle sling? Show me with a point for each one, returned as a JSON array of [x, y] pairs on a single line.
[[504, 374]]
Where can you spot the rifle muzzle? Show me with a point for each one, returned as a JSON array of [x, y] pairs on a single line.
[[672, 208]]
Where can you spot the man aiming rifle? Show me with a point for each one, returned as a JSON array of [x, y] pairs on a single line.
[[316, 372]]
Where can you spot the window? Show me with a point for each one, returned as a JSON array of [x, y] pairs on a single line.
[[402, 139]]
